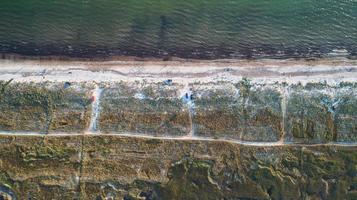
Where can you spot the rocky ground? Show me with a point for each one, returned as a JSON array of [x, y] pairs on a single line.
[[178, 130]]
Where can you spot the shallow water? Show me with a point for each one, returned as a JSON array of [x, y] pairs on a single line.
[[185, 28]]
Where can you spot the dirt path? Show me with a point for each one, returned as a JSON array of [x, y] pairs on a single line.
[[184, 138]]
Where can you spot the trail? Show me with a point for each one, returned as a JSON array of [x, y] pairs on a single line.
[[187, 97], [93, 126], [283, 105], [184, 138]]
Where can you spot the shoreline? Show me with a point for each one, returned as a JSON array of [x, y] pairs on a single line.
[[331, 71], [163, 61]]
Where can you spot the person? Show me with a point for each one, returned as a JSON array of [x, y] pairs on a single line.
[[168, 82], [67, 85]]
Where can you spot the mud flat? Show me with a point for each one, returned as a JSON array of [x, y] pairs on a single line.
[[268, 129]]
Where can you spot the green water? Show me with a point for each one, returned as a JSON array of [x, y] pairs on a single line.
[[183, 28]]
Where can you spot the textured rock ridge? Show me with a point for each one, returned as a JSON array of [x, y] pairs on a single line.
[[121, 167]]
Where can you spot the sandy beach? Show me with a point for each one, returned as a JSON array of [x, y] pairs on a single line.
[[291, 71]]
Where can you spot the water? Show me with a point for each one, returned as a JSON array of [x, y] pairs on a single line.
[[185, 28]]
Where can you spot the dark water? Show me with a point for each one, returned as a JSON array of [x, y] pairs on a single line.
[[183, 28]]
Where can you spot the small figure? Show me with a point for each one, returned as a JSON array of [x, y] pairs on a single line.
[[92, 99], [227, 69], [186, 96], [168, 82], [43, 73], [67, 85]]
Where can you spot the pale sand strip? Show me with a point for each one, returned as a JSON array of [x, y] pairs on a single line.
[[262, 71]]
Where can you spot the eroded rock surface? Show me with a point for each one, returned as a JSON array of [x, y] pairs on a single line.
[[120, 167], [40, 167]]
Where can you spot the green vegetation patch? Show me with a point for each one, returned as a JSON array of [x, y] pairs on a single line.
[[155, 109], [241, 111], [318, 113], [44, 107]]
